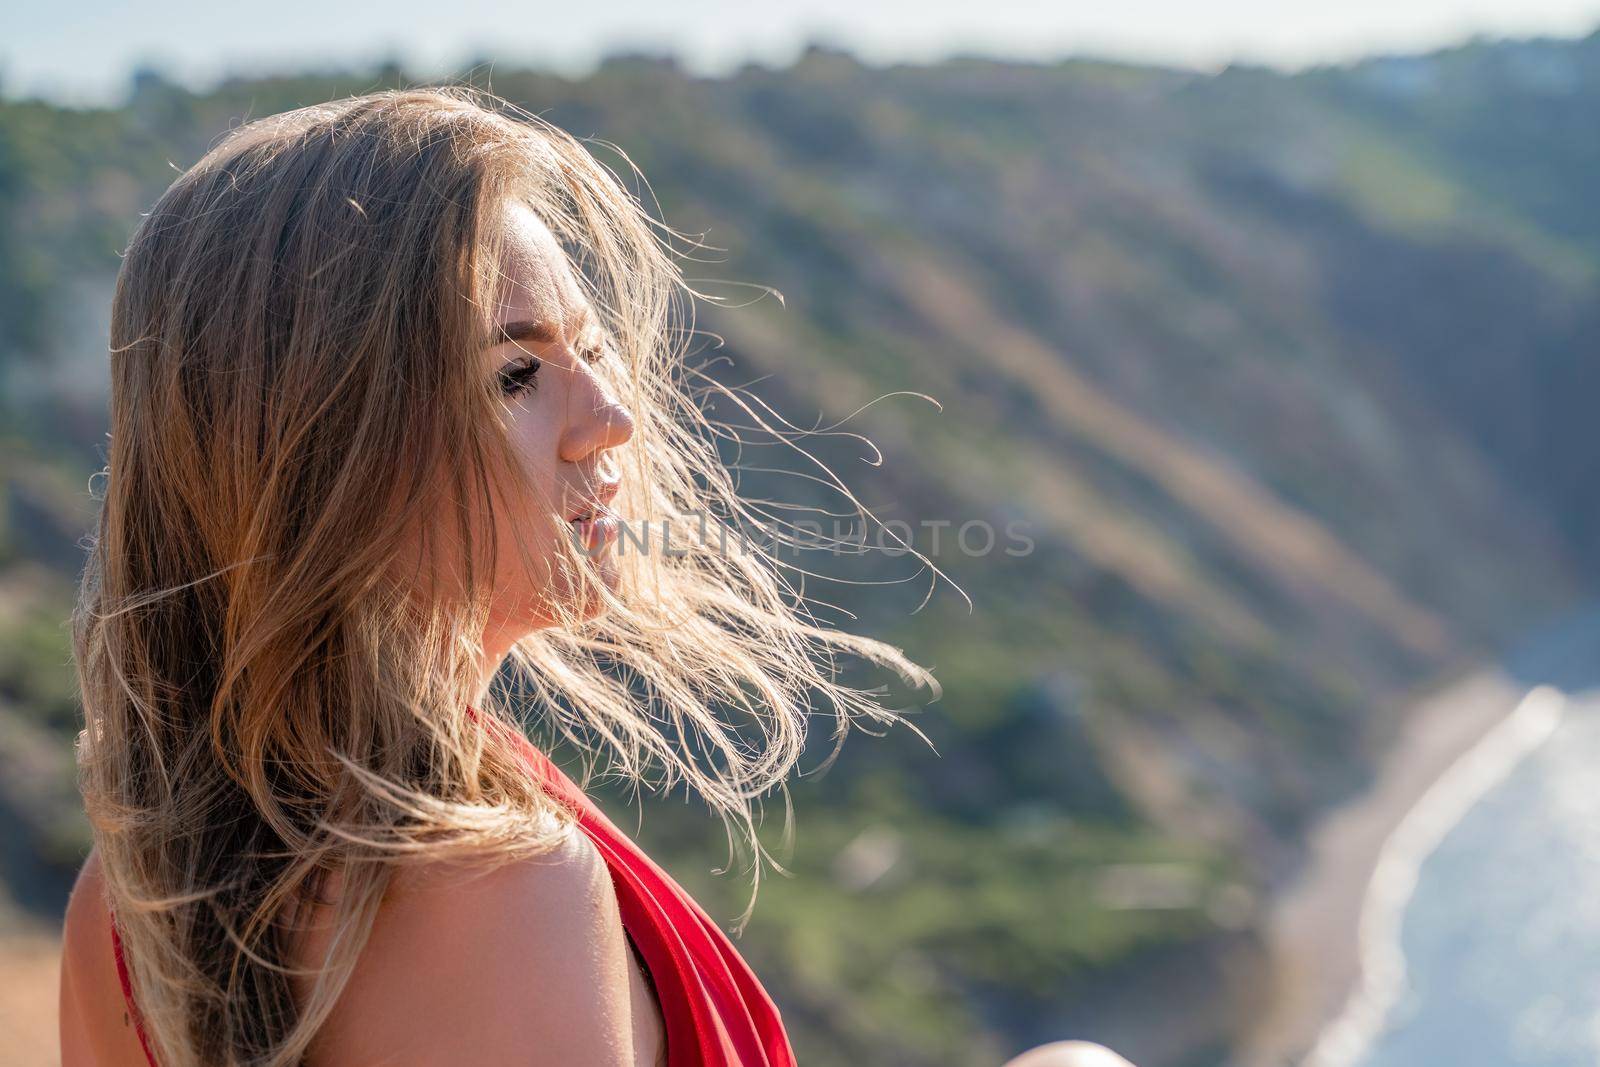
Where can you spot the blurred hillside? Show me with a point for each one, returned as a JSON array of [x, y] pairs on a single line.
[[1288, 376]]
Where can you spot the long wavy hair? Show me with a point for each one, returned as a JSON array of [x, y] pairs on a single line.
[[268, 700]]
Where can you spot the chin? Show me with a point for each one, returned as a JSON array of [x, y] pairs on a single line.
[[567, 605], [587, 602]]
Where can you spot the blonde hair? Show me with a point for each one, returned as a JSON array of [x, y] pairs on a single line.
[[292, 389]]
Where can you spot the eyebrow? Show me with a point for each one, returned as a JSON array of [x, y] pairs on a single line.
[[542, 331]]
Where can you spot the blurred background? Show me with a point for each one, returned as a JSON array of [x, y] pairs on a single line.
[[1276, 331]]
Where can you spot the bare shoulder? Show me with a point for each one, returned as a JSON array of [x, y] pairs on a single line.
[[87, 900], [571, 872], [86, 931], [95, 1026], [523, 961], [83, 958], [1068, 1054]]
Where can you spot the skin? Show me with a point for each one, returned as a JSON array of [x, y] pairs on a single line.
[[528, 962], [564, 428], [94, 1025], [1068, 1054]]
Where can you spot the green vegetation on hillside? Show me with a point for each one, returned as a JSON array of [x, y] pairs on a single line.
[[1284, 376]]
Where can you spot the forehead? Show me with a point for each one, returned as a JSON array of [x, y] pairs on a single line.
[[535, 277]]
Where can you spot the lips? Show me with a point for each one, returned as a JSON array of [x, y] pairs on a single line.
[[597, 524], [596, 529]]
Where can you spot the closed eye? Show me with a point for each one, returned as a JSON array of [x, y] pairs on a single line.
[[517, 378]]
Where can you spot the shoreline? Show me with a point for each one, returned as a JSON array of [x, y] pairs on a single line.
[[1314, 929]]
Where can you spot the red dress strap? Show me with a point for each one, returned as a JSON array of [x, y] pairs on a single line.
[[127, 992], [715, 1011]]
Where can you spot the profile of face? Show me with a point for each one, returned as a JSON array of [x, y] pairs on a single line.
[[564, 424]]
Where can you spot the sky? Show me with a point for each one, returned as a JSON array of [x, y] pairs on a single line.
[[84, 52]]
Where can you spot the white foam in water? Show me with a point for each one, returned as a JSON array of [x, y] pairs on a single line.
[[1372, 1011]]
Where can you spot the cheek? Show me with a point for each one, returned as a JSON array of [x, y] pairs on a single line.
[[528, 510], [535, 440]]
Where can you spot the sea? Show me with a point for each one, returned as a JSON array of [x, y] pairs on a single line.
[[1481, 929]]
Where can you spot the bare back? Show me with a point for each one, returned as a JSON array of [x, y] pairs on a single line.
[[527, 961], [96, 1030]]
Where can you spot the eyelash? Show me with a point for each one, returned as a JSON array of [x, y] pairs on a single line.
[[520, 379], [523, 377]]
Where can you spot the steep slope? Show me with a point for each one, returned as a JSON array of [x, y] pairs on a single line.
[[1284, 379]]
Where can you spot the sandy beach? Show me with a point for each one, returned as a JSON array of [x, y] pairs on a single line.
[[1313, 929]]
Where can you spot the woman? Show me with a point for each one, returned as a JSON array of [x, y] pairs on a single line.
[[388, 376]]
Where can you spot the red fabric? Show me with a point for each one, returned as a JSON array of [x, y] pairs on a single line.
[[715, 1010], [127, 992]]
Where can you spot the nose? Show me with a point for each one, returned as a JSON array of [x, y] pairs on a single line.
[[595, 421]]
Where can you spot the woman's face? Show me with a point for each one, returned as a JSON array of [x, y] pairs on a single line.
[[563, 424]]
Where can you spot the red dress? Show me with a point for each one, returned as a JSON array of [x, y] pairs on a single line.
[[716, 1012]]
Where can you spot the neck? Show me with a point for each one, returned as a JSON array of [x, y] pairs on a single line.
[[497, 642]]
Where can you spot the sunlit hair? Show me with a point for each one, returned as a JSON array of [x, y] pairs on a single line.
[[295, 385]]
